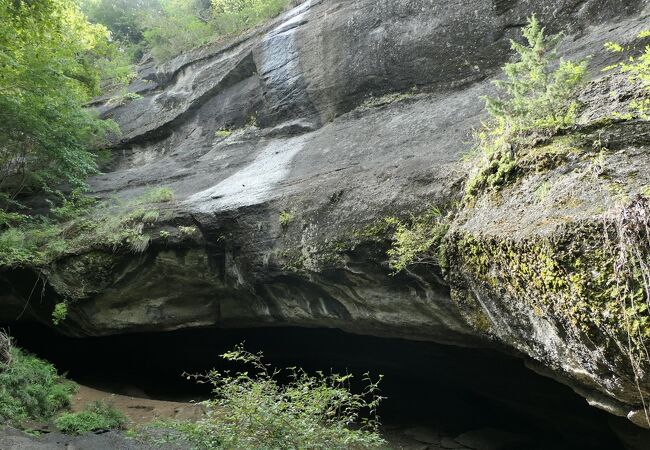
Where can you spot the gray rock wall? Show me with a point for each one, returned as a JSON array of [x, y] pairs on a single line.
[[342, 113]]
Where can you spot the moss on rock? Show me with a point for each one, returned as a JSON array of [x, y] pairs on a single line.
[[578, 278]]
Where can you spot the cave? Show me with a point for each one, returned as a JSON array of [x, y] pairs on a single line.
[[428, 385]]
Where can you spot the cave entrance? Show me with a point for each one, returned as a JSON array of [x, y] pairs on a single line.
[[437, 387]]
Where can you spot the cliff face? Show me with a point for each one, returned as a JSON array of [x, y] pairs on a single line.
[[287, 146]]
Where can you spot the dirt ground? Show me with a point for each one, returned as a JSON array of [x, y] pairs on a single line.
[[139, 410]]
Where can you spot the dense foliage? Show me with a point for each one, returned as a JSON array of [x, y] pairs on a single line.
[[31, 389], [179, 25], [169, 27], [48, 70], [175, 26], [418, 241], [121, 17], [254, 410]]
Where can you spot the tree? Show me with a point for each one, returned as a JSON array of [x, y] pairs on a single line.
[[538, 86], [537, 97], [48, 51]]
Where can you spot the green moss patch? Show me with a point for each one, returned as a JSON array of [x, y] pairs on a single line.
[[582, 277]]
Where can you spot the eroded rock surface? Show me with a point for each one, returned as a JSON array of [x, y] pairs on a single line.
[[333, 117]]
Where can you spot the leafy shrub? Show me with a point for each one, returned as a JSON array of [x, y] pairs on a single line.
[[223, 133], [73, 205], [99, 416], [59, 313], [231, 16], [123, 97], [8, 219], [256, 411], [156, 195], [84, 224], [30, 243], [121, 17], [179, 25], [187, 231], [419, 242], [31, 389], [173, 27]]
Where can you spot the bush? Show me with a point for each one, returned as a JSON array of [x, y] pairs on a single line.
[[156, 195], [31, 389], [60, 313], [98, 416], [73, 205], [231, 16], [256, 411], [174, 27], [285, 218]]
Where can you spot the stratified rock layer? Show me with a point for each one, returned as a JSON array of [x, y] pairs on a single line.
[[287, 146]]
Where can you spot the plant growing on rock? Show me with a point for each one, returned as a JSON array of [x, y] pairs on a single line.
[[187, 231], [223, 133], [591, 277], [254, 410], [632, 278], [81, 225], [175, 26], [420, 241], [536, 99], [285, 218], [60, 313], [638, 68], [537, 92]]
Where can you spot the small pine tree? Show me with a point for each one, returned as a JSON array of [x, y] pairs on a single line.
[[538, 86], [537, 97]]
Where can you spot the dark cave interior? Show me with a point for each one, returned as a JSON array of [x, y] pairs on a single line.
[[448, 388]]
